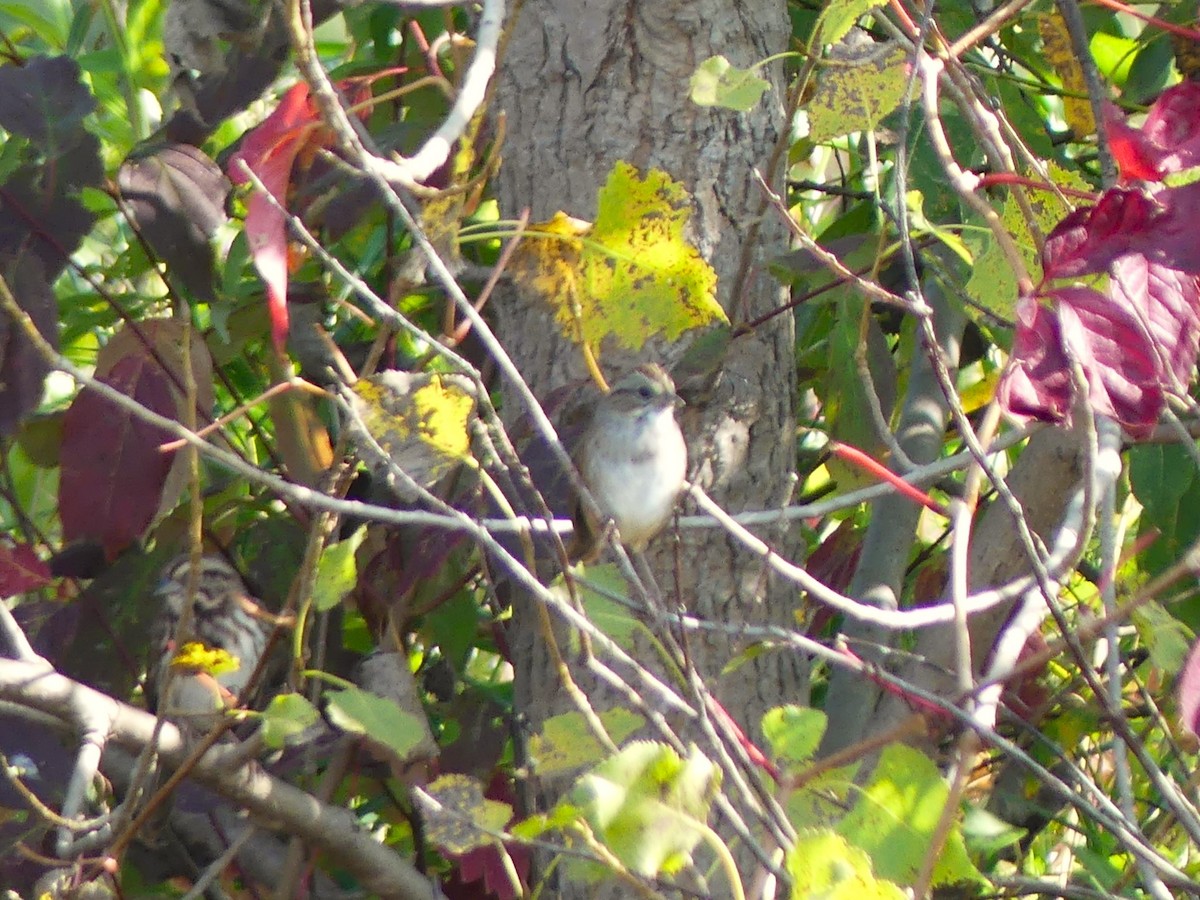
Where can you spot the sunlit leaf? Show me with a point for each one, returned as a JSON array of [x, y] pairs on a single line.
[[286, 716], [855, 96], [362, 712], [895, 817], [417, 423], [717, 82], [632, 276], [823, 864], [566, 741], [646, 802]]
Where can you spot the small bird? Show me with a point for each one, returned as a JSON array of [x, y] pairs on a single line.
[[224, 617], [633, 460]]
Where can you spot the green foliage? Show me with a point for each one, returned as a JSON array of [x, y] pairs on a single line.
[[717, 82], [337, 572], [823, 864], [648, 805], [287, 716]]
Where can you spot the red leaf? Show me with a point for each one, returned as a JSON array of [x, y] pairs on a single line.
[[1136, 159], [1168, 141], [1121, 366], [20, 569], [293, 131], [1169, 303], [112, 470], [484, 863]]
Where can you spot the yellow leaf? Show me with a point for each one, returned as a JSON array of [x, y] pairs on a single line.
[[419, 421], [632, 275]]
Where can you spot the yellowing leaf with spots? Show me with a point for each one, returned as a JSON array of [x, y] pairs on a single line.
[[459, 817], [993, 284], [1056, 44], [856, 95], [632, 275], [412, 424]]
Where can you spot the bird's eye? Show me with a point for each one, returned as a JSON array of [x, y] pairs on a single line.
[[645, 392]]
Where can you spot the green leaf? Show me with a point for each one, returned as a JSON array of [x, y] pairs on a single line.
[[287, 715], [647, 804], [823, 864], [455, 825], [1168, 639], [985, 833], [822, 801], [856, 96], [839, 17], [566, 743], [895, 817], [717, 82], [794, 733], [362, 712], [337, 572], [597, 585]]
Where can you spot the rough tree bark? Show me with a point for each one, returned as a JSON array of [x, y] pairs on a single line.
[[583, 85]]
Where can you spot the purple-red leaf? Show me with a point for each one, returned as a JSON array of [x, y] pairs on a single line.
[[1038, 384], [1111, 346], [1169, 303], [45, 100], [1142, 339], [1120, 365], [176, 196], [1091, 237], [112, 470], [20, 569]]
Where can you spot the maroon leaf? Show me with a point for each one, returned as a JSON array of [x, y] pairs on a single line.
[[176, 197], [1169, 302], [44, 100], [1120, 364], [39, 209], [1091, 237], [20, 569], [22, 368], [1038, 384], [112, 470]]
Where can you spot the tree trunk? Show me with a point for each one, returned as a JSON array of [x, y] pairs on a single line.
[[584, 84]]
